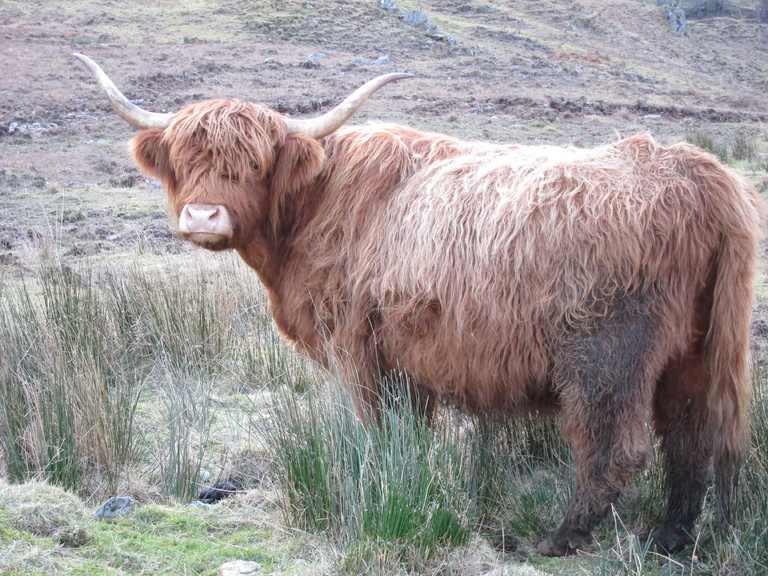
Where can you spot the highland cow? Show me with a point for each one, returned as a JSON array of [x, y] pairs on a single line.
[[613, 284]]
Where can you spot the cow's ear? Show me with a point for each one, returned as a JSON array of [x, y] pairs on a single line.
[[150, 151], [298, 161]]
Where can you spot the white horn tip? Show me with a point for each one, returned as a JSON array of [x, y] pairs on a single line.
[[127, 110], [82, 57]]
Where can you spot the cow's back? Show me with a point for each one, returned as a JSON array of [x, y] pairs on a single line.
[[481, 264], [468, 266]]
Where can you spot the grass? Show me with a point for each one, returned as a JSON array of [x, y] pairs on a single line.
[[739, 147], [70, 397], [750, 549], [521, 472], [707, 142], [188, 416], [743, 146], [38, 521], [102, 394], [399, 485], [83, 347]]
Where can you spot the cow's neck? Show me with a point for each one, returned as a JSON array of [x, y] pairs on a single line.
[[260, 255], [323, 220]]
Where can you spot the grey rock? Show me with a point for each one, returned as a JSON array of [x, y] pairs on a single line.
[[420, 20], [115, 506], [677, 20], [239, 568]]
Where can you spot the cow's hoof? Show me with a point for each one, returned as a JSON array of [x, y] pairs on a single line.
[[671, 537], [558, 543], [548, 548]]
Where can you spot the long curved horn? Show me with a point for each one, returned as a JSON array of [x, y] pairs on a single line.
[[127, 110], [334, 119]]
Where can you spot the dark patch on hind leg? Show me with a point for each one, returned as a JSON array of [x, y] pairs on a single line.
[[605, 392], [682, 419]]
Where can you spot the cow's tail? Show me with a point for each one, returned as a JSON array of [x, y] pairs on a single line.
[[728, 338]]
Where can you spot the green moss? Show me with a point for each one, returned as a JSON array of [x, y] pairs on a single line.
[[157, 540], [172, 541]]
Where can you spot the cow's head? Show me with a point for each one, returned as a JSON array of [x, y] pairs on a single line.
[[228, 164]]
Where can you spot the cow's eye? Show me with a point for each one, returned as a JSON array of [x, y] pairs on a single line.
[[232, 177]]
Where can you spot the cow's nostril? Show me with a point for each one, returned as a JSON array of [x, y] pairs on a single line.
[[202, 218], [202, 214]]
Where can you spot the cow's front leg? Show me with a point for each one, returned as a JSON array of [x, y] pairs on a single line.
[[608, 453], [588, 506], [605, 377]]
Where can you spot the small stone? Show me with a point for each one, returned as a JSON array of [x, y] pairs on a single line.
[[239, 568], [115, 506], [420, 20]]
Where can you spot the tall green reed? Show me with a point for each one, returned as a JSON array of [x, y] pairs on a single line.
[[397, 482], [82, 345], [68, 392], [188, 415], [746, 543]]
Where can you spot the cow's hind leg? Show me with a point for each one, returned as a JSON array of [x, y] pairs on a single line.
[[681, 418], [605, 375]]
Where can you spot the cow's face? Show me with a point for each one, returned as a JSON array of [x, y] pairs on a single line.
[[228, 167]]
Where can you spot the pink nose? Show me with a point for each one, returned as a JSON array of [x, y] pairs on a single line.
[[201, 219]]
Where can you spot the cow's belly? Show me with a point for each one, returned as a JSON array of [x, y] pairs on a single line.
[[484, 368]]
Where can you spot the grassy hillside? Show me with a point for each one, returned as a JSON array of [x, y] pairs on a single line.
[[160, 361]]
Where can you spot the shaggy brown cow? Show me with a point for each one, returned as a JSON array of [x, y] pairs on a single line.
[[614, 284]]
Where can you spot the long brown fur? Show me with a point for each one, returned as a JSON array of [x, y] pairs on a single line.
[[614, 283]]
